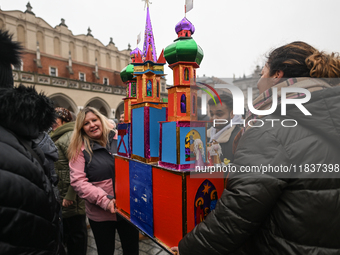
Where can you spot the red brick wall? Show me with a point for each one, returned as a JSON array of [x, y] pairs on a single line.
[[31, 66]]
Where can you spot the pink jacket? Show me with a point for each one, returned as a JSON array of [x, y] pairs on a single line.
[[94, 193]]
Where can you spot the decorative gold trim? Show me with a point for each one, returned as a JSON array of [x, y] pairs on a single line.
[[179, 118], [149, 104], [122, 158], [154, 88], [145, 160]]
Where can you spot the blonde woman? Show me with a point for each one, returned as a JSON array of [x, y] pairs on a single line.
[[92, 172]]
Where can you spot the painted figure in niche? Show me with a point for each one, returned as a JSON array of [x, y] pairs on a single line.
[[189, 144], [183, 103], [199, 216], [149, 89], [214, 153], [199, 152], [205, 200], [133, 89], [213, 200], [206, 212], [186, 74]]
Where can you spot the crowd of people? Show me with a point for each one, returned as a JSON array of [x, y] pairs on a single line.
[[56, 169]]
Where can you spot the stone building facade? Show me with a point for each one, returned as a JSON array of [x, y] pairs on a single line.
[[74, 70]]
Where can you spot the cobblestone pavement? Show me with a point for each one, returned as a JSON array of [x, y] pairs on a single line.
[[145, 246]]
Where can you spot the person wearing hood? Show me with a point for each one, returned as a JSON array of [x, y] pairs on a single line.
[[294, 211], [73, 207], [29, 211], [224, 134]]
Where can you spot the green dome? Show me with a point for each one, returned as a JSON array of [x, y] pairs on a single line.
[[183, 49], [127, 73]]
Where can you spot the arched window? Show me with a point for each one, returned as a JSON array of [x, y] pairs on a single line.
[[194, 105], [149, 89], [97, 56], [183, 103], [85, 55], [118, 63], [2, 24], [21, 35], [133, 89], [73, 50], [56, 43], [108, 61], [41, 41], [186, 74]]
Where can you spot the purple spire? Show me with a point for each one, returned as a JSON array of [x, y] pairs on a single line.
[[185, 24], [149, 38], [135, 51]]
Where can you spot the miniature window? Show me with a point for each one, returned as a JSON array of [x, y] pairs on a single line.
[[157, 88], [133, 89], [186, 74], [183, 104], [149, 89]]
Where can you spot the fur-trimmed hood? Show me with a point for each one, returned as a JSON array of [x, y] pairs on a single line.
[[25, 112], [10, 52]]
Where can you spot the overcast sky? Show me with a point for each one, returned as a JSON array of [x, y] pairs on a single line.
[[234, 34]]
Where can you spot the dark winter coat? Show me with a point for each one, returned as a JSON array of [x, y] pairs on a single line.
[[93, 178], [288, 214], [62, 137], [28, 209]]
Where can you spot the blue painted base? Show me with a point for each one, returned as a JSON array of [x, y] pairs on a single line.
[[141, 199]]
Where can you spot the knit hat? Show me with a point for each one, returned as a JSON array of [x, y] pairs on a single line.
[[9, 55], [63, 114]]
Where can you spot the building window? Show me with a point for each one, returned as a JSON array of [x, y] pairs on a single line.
[[53, 71], [194, 105], [19, 67], [82, 77], [106, 81]]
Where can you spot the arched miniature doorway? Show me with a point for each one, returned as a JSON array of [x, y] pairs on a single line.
[[101, 105], [61, 100]]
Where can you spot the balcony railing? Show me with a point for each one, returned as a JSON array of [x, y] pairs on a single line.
[[47, 80]]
